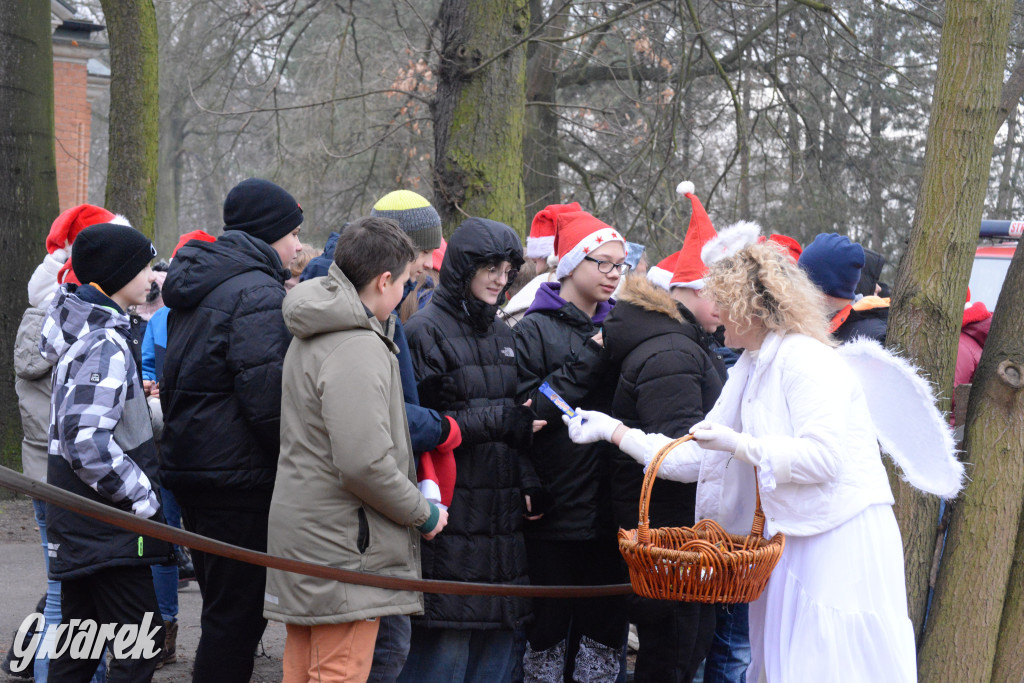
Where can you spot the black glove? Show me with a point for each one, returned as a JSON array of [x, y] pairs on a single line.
[[437, 392], [519, 426], [540, 500]]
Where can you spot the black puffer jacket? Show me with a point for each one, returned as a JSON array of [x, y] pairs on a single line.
[[869, 318], [221, 388], [459, 336], [552, 345], [669, 380]]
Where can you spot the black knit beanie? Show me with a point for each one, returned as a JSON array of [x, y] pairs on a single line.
[[262, 209], [110, 255]]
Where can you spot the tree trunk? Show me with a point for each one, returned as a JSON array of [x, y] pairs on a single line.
[[28, 174], [967, 609], [743, 143], [929, 292], [1009, 664], [479, 111], [168, 194], [874, 214], [134, 110], [999, 431], [176, 104], [540, 141]]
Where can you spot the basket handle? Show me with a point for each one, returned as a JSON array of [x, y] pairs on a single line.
[[643, 533], [757, 526]]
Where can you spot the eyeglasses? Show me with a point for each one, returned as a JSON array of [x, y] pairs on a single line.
[[494, 273], [607, 267]]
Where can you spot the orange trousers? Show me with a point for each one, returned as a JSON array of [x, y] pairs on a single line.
[[329, 653]]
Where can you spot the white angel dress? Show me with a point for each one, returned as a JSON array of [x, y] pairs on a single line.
[[835, 607]]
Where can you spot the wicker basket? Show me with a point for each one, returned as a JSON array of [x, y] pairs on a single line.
[[698, 564]]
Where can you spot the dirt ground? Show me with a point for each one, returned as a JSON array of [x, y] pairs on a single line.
[[23, 581], [17, 521]]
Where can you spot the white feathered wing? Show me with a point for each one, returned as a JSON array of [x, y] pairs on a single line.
[[909, 426]]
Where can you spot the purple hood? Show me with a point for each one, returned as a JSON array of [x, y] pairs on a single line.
[[549, 299]]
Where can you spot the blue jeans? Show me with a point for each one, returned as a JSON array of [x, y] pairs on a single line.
[[730, 650], [51, 613], [450, 655], [391, 649], [165, 576]]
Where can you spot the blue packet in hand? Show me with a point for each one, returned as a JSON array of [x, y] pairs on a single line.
[[556, 399]]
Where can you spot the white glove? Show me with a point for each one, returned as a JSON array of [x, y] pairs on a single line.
[[590, 425], [714, 437]]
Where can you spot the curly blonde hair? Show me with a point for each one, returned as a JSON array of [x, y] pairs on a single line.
[[760, 283]]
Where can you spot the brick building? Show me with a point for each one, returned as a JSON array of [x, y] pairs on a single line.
[[79, 79]]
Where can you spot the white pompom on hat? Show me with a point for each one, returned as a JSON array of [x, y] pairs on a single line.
[[684, 188]]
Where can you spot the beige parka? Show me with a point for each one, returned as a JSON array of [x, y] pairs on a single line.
[[345, 494]]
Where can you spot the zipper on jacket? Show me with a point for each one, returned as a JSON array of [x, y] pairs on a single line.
[[140, 546]]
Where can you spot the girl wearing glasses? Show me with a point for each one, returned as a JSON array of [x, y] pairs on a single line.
[[574, 542], [457, 338]]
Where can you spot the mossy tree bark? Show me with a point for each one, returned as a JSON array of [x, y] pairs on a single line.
[[28, 176], [134, 110], [932, 279], [479, 110]]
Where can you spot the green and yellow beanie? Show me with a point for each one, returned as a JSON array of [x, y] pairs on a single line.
[[414, 215]]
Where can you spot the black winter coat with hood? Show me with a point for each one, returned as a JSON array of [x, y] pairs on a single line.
[[553, 345], [670, 378], [459, 336], [221, 388]]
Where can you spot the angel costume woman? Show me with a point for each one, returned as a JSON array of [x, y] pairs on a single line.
[[795, 415]]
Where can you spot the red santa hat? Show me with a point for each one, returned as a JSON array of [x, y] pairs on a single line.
[[67, 226], [540, 243], [439, 256], [791, 246], [577, 234], [66, 272], [436, 471], [690, 269], [200, 235], [661, 274]]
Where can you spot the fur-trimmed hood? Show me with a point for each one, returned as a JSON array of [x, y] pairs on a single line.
[[644, 294], [644, 311]]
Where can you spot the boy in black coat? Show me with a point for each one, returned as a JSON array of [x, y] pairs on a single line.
[[221, 397], [101, 447]]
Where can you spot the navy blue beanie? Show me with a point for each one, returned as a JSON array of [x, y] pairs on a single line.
[[262, 209], [833, 263]]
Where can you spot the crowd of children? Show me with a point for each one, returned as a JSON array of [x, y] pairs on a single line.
[[292, 409]]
